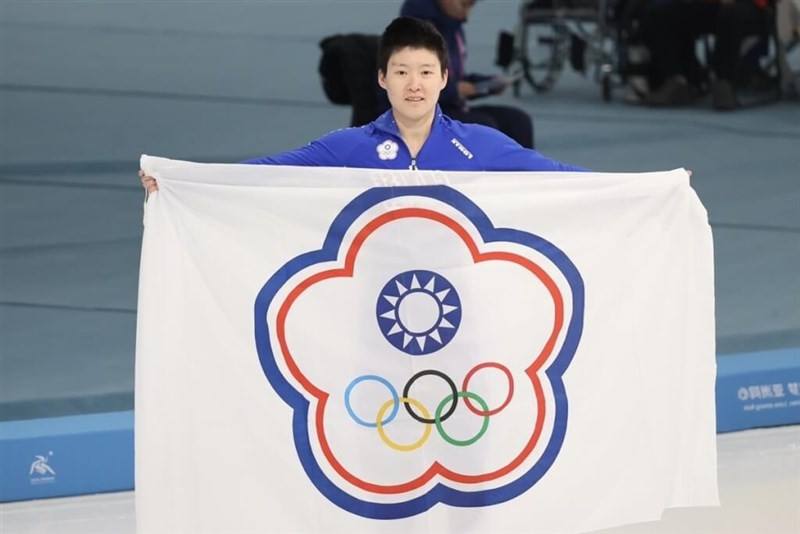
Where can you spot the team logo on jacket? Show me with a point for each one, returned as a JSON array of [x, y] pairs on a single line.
[[421, 350], [387, 150]]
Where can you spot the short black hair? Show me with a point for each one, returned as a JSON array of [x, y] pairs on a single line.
[[408, 32]]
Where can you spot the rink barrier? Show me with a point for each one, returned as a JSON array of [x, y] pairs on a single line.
[[758, 389], [61, 456]]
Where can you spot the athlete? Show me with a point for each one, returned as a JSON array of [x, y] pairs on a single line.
[[414, 133]]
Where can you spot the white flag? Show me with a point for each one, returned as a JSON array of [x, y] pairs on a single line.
[[351, 350]]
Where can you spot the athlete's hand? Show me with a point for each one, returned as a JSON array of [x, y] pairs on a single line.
[[500, 84], [148, 182], [466, 90]]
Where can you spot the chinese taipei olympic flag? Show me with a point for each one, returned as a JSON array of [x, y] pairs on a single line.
[[352, 350]]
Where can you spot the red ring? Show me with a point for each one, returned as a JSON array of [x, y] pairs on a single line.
[[477, 368]]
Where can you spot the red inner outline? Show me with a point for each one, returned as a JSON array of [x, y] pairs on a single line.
[[347, 271]]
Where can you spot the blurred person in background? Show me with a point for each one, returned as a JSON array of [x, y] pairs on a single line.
[[449, 16], [670, 29]]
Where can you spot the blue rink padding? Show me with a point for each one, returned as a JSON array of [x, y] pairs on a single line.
[[74, 455], [758, 389], [83, 454]]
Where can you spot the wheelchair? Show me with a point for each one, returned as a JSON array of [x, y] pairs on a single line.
[[584, 33]]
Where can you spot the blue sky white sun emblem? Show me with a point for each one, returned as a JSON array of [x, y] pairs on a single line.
[[418, 312]]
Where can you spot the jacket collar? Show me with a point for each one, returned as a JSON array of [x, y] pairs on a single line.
[[386, 123]]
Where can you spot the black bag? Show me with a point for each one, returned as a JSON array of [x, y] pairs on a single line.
[[331, 72], [348, 68]]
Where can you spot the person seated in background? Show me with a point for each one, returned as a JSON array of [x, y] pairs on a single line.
[[449, 17], [670, 29], [414, 133]]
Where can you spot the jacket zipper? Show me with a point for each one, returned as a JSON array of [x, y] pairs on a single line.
[[413, 165]]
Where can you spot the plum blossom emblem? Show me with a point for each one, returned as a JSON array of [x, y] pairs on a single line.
[[387, 150]]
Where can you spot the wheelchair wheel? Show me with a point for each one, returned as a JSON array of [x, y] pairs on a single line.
[[606, 87], [544, 48]]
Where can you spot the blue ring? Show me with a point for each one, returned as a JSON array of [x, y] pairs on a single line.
[[383, 381]]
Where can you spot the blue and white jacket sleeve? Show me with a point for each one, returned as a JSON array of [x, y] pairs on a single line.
[[526, 159], [323, 152], [508, 155]]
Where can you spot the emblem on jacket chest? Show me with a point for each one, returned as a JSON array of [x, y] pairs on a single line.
[[387, 150]]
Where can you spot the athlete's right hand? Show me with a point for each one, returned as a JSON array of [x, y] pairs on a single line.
[[148, 182]]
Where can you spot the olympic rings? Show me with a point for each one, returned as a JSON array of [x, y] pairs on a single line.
[[473, 439], [375, 378], [394, 445], [382, 419], [452, 396]]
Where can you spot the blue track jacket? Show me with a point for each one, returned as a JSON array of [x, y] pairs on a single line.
[[451, 146]]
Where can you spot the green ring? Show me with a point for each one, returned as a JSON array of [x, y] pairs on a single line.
[[440, 428]]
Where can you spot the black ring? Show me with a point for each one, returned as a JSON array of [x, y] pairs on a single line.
[[441, 375]]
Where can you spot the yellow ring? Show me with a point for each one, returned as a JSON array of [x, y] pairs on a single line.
[[397, 446]]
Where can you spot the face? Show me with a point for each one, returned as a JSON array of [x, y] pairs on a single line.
[[457, 9], [413, 81]]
